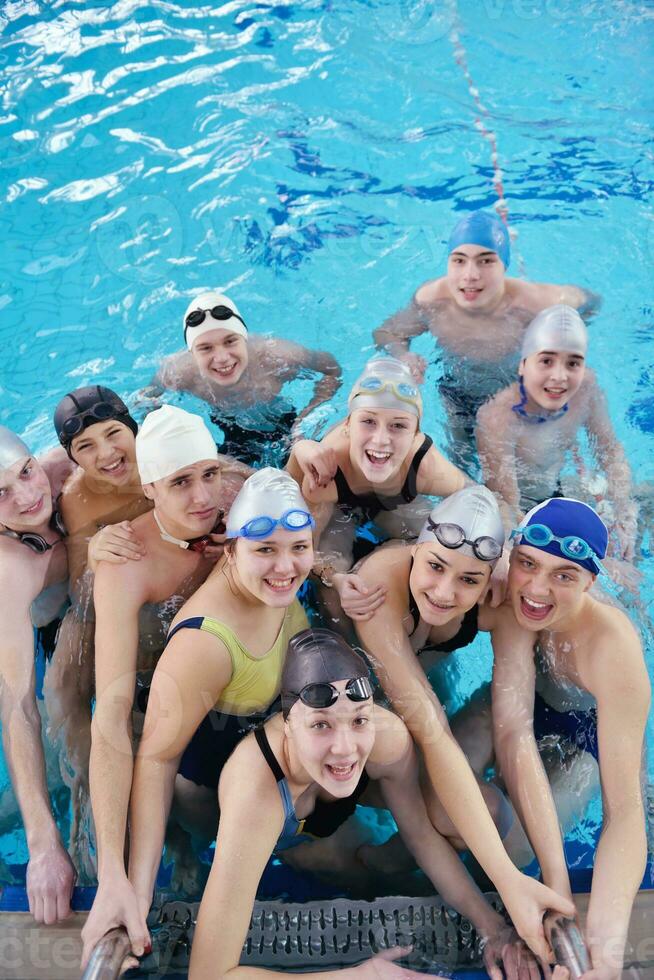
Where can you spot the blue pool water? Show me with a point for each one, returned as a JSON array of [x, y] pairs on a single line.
[[309, 159]]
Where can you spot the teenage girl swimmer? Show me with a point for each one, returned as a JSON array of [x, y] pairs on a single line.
[[372, 467], [299, 777], [477, 315], [220, 671], [33, 581], [526, 430], [570, 666], [191, 489], [431, 607], [241, 375]]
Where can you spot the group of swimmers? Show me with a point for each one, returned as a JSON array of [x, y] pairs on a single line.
[[187, 682]]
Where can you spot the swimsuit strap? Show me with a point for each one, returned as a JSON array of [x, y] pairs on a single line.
[[193, 623], [409, 490], [268, 754], [413, 605]]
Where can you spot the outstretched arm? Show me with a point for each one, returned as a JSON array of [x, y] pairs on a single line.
[[119, 595], [50, 873], [513, 686], [396, 333], [452, 778], [621, 687], [302, 359], [496, 448]]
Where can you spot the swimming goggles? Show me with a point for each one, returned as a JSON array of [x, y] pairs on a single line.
[[452, 536], [100, 412], [403, 390], [534, 418], [196, 317], [36, 542], [539, 535], [325, 695], [261, 527]]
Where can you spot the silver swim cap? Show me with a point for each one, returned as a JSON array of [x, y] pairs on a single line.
[[268, 493], [558, 328], [386, 383], [199, 317], [473, 513], [169, 440], [12, 448]]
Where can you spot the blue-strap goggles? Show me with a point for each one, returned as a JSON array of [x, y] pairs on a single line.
[[291, 520], [539, 535]]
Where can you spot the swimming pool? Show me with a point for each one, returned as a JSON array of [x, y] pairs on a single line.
[[309, 159]]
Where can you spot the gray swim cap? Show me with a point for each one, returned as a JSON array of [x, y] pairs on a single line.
[[558, 328], [474, 511], [12, 448], [317, 656], [386, 383], [267, 493]]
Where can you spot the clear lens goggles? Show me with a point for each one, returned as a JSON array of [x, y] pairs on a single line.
[[292, 520], [571, 546], [452, 536], [324, 695]]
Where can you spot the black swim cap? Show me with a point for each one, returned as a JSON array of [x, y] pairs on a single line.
[[317, 656], [84, 407]]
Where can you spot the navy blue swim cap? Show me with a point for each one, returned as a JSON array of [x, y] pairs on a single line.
[[570, 519], [84, 407], [483, 229]]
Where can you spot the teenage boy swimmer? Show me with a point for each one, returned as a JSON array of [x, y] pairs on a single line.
[[33, 577], [134, 604], [569, 665], [525, 431], [240, 375], [477, 315]]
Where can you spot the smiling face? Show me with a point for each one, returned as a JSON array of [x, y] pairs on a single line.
[[332, 745], [545, 589], [188, 500], [25, 496], [221, 356], [273, 569], [445, 582], [475, 277], [380, 441], [106, 451], [551, 378]]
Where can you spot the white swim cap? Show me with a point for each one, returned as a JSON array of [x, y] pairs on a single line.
[[386, 383], [475, 513], [170, 439], [558, 328], [267, 493], [213, 311], [12, 448]]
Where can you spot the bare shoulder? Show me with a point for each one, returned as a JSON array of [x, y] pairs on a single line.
[[58, 467], [431, 291], [498, 408], [178, 370], [22, 574], [392, 741], [391, 559]]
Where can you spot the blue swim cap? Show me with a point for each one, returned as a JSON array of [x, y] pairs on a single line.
[[484, 229], [565, 517]]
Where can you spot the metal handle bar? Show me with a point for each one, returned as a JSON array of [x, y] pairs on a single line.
[[568, 944], [108, 956]]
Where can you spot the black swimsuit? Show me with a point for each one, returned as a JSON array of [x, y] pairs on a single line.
[[371, 504], [326, 817], [466, 634]]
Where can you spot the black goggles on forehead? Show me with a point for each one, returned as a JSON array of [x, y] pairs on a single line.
[[196, 317], [325, 695], [100, 412], [452, 536]]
